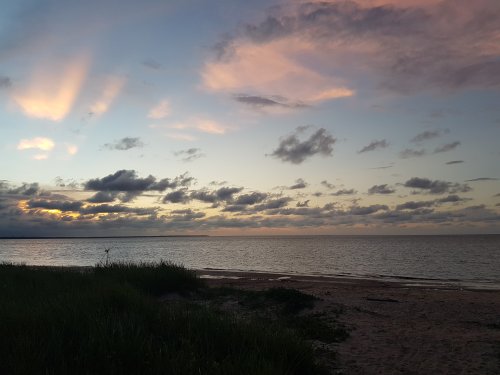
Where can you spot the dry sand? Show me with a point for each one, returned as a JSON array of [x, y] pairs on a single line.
[[398, 328]]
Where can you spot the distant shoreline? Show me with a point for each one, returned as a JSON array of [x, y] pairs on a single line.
[[244, 236], [94, 237]]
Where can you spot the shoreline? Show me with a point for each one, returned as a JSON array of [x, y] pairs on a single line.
[[396, 328], [402, 281]]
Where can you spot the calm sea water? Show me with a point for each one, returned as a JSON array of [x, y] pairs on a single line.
[[446, 258]]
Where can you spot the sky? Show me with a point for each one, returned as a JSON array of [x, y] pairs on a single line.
[[233, 117]]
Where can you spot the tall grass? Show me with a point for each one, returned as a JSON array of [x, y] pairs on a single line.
[[108, 321]]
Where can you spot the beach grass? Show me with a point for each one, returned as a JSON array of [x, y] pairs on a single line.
[[109, 319]]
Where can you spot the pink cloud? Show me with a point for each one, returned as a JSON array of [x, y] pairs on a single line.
[[315, 51]]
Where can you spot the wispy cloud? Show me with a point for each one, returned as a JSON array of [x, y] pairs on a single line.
[[482, 179], [455, 162], [112, 87], [447, 147], [272, 68], [152, 64], [374, 145], [426, 135], [160, 111], [300, 183], [5, 82], [202, 125], [71, 149], [181, 136], [53, 89], [411, 153], [190, 154], [260, 101]]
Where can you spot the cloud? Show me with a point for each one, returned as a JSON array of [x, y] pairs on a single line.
[[112, 87], [122, 180], [53, 88], [25, 189], [124, 144], [202, 125], [374, 145], [455, 162], [40, 143], [381, 189], [452, 199], [273, 204], [160, 111], [178, 196], [64, 206], [250, 199], [55, 205], [271, 68], [5, 82], [257, 101], [412, 205], [71, 149], [126, 186], [103, 197], [436, 186], [116, 209], [190, 154], [303, 204], [426, 135], [181, 136], [382, 167], [482, 179], [40, 157], [447, 147], [28, 211], [415, 205], [216, 196], [299, 184], [152, 64], [328, 185], [344, 192], [291, 149], [307, 47], [366, 210], [411, 153]]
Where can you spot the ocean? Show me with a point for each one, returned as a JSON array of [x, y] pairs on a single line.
[[468, 259]]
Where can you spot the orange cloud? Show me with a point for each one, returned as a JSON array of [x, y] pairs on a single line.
[[53, 89], [41, 143], [112, 88], [71, 149], [199, 124], [41, 157]]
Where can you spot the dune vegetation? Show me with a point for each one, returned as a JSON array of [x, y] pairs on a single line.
[[118, 318]]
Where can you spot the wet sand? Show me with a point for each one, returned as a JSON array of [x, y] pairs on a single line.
[[398, 328]]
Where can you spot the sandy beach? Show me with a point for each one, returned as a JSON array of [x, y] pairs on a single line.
[[397, 328]]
